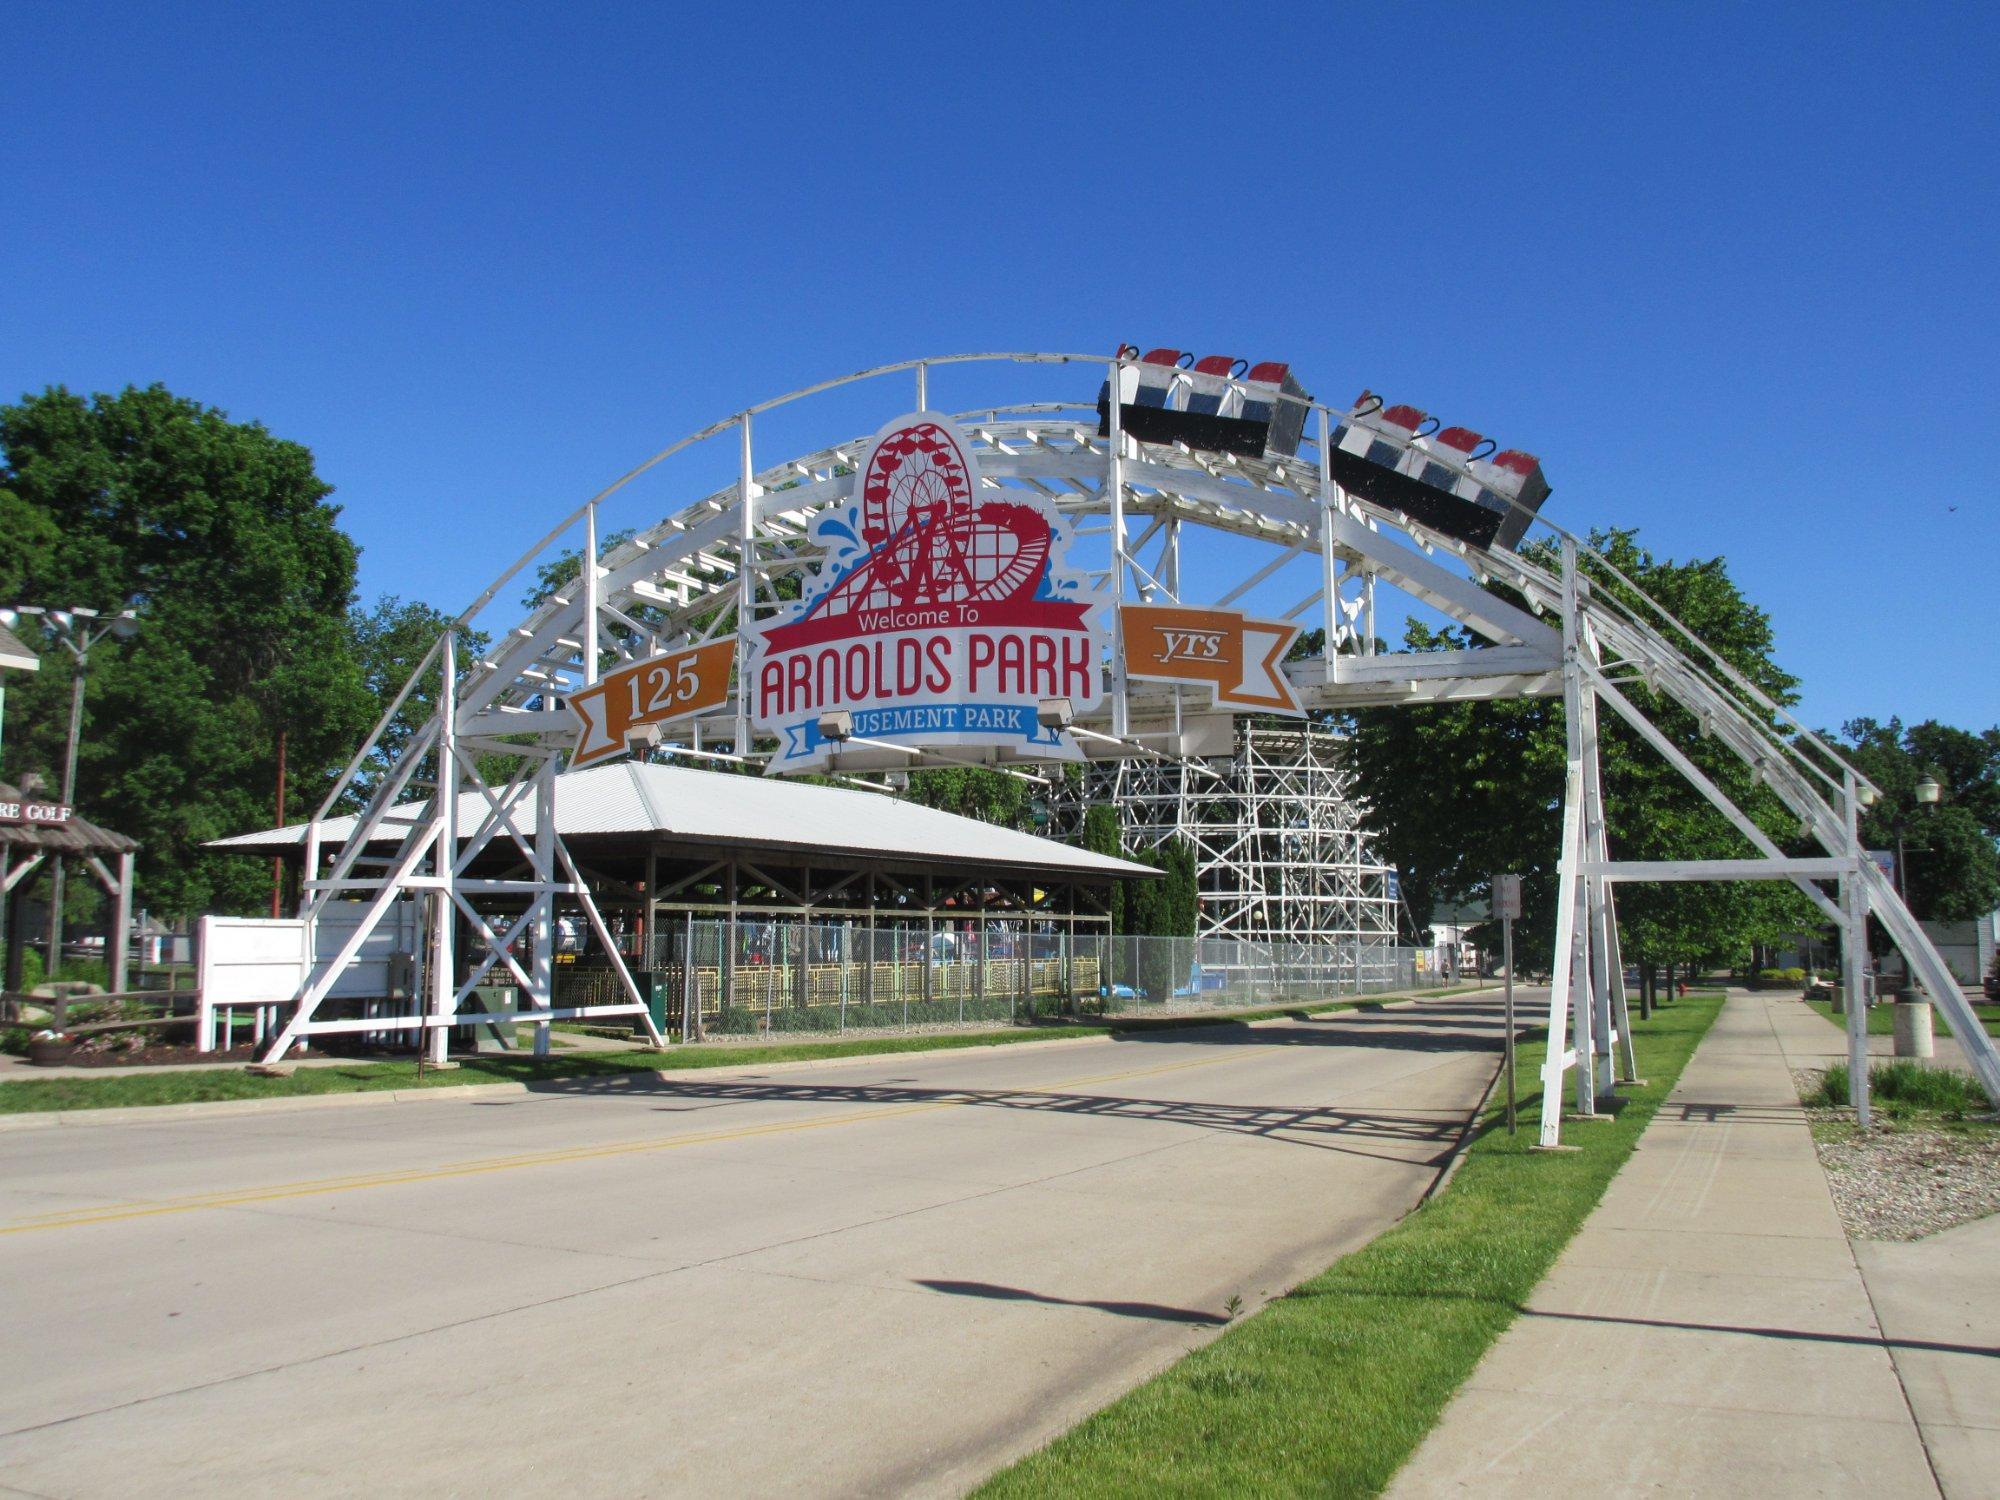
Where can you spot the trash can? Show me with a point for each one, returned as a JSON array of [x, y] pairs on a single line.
[[663, 999], [498, 1000]]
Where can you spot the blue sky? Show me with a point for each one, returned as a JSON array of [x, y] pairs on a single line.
[[1728, 270]]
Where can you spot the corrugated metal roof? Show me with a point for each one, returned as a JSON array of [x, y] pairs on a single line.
[[15, 655], [711, 807]]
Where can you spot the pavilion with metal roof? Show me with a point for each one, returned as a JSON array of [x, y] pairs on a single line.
[[818, 895]]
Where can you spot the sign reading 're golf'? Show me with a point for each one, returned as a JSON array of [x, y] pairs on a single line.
[[941, 616]]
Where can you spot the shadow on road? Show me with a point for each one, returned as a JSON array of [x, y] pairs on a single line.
[[1153, 1310], [1324, 1127], [1436, 1026], [1441, 1026]]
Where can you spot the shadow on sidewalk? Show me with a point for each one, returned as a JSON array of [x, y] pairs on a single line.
[[1800, 1335]]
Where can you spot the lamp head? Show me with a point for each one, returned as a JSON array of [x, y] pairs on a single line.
[[1928, 791], [1055, 713], [836, 726], [642, 737]]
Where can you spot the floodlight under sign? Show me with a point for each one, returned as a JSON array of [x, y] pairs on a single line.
[[836, 726], [1055, 713], [642, 737]]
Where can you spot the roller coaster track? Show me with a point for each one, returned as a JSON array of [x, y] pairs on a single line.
[[1555, 618]]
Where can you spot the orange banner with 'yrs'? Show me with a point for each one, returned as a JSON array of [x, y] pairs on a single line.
[[1240, 658]]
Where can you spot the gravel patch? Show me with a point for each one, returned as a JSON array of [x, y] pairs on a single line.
[[1902, 1180]]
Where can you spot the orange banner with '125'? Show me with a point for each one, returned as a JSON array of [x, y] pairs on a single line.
[[654, 691]]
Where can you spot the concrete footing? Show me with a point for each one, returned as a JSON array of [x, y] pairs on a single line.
[[1913, 1029]]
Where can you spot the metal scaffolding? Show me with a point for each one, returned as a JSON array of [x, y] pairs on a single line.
[[1280, 853]]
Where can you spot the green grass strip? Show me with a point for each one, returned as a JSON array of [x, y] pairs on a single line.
[[1327, 1390], [1882, 1018], [210, 1085]]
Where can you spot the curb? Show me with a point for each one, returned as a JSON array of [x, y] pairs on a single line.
[[55, 1119], [1462, 1147]]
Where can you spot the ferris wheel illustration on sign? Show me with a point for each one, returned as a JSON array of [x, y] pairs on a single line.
[[928, 540]]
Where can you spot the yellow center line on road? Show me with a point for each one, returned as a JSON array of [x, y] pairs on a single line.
[[316, 1187]]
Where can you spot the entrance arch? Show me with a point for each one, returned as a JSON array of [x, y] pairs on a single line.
[[1203, 515]]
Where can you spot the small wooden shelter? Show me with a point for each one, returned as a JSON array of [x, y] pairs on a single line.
[[28, 838]]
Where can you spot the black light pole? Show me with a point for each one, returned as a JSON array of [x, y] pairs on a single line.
[[1928, 794]]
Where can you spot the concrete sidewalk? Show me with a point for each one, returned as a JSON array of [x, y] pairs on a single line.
[[1707, 1332], [1937, 1299]]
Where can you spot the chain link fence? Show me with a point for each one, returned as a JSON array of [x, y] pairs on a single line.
[[786, 975]]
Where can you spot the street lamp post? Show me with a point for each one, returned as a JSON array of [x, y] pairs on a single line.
[[1928, 794], [77, 630]]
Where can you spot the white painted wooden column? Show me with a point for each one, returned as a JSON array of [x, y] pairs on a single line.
[[121, 924], [443, 976], [591, 587], [1854, 956], [1329, 567], [1114, 489], [1567, 964], [542, 969], [746, 584]]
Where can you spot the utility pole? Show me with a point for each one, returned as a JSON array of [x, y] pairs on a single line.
[[278, 860], [77, 630]]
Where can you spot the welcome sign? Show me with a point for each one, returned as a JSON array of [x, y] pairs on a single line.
[[940, 617]]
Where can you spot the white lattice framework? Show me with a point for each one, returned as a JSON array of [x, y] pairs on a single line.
[[1275, 826], [714, 566]]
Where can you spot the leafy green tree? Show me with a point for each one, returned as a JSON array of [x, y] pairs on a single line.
[[388, 642], [1952, 868], [564, 566], [221, 536], [1458, 792], [975, 792]]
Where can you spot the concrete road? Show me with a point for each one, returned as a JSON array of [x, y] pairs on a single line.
[[884, 1277]]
